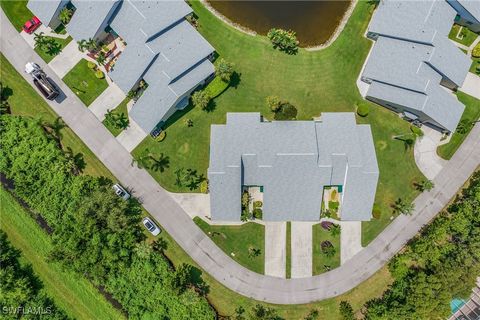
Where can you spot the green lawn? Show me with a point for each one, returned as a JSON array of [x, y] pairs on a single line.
[[238, 240], [226, 301], [471, 113], [47, 57], [122, 108], [475, 64], [83, 82], [313, 81], [288, 251], [17, 12], [71, 292], [320, 260], [25, 101], [468, 37]]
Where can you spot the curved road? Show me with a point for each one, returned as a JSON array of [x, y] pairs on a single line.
[[197, 244]]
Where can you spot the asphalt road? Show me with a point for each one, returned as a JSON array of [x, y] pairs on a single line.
[[197, 244]]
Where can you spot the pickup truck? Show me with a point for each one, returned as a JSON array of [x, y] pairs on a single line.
[[41, 81]]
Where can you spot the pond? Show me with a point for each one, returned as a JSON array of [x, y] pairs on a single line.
[[313, 21]]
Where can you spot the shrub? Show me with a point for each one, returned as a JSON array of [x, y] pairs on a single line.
[[245, 199], [327, 225], [257, 204], [376, 212], [224, 70], [333, 194], [91, 65], [287, 112], [188, 122], [333, 205], [363, 110], [204, 186], [161, 136], [274, 103], [99, 74], [201, 99], [476, 51], [257, 213], [284, 40], [416, 130], [216, 87]]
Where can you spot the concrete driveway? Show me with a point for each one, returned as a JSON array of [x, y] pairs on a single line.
[[471, 85], [301, 249], [425, 152], [194, 204], [108, 100], [275, 249], [350, 239], [131, 137], [67, 59]]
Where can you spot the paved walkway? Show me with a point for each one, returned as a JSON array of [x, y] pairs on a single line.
[[199, 246], [66, 60], [108, 100], [275, 249], [194, 204], [301, 249], [471, 85], [131, 137], [425, 152], [350, 240]]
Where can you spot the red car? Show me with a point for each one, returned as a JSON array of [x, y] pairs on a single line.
[[31, 25]]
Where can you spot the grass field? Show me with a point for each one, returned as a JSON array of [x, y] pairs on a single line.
[[25, 101], [471, 114], [467, 39], [312, 81], [238, 240], [71, 292], [320, 260], [122, 108], [17, 12], [83, 82], [47, 57]]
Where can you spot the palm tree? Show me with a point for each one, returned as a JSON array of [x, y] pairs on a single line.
[[54, 129], [122, 121], [335, 230], [408, 139], [91, 44], [101, 58], [52, 47], [160, 163], [82, 45], [65, 15], [400, 206], [4, 94], [40, 40], [425, 185]]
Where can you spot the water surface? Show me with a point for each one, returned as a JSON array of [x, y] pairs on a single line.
[[313, 21]]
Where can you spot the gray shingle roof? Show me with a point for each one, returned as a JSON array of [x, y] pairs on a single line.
[[90, 17], [293, 161], [418, 21], [45, 9], [473, 7], [161, 95], [411, 56], [138, 21]]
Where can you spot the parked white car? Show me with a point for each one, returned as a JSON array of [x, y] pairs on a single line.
[[121, 192], [151, 226]]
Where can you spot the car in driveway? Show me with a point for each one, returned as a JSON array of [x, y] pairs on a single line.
[[31, 25], [120, 191], [43, 83], [151, 226]]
